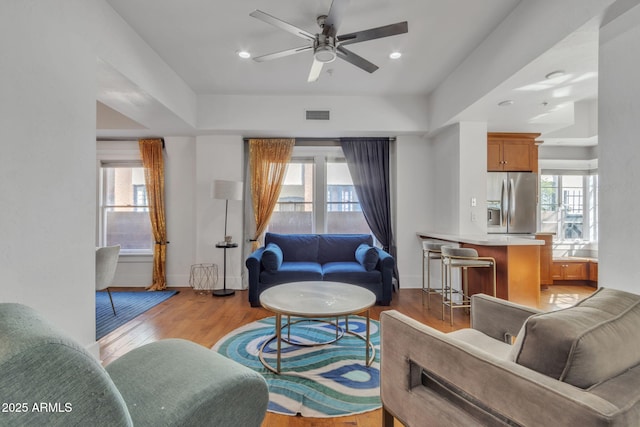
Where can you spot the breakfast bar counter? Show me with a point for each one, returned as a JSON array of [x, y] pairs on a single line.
[[517, 264]]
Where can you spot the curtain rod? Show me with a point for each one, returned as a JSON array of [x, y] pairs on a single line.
[[129, 139], [317, 141]]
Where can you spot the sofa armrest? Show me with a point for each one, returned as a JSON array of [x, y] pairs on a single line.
[[179, 383], [254, 267], [254, 260], [498, 318], [386, 265], [418, 362]]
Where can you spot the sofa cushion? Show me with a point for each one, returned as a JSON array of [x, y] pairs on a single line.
[[367, 256], [349, 272], [295, 247], [340, 247], [292, 272], [586, 344], [272, 257]]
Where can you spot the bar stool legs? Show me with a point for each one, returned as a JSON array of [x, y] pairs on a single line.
[[462, 258], [430, 251]]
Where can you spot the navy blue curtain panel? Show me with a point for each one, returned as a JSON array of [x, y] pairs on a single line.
[[368, 161]]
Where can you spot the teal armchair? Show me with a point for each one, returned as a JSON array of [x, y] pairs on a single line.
[[48, 379]]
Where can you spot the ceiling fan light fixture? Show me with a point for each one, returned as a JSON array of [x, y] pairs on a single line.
[[324, 54], [506, 103], [554, 74], [244, 54]]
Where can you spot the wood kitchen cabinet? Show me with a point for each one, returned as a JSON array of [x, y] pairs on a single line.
[[546, 259], [512, 152], [593, 271], [570, 269]]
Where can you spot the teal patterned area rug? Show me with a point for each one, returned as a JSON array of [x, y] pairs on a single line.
[[330, 380]]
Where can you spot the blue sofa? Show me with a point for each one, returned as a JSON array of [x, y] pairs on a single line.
[[348, 258]]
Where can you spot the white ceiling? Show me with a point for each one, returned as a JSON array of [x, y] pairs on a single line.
[[199, 40]]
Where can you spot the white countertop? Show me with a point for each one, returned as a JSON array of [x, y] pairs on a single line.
[[483, 239]]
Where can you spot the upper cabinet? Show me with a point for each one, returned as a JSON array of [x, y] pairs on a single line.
[[510, 152]]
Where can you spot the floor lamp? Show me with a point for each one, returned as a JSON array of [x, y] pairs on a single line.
[[226, 190]]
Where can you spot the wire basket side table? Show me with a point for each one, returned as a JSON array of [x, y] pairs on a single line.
[[203, 278]]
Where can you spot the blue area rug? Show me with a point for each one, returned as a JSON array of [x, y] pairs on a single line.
[[324, 381], [128, 306]]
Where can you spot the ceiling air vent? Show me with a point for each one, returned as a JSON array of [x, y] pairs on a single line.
[[317, 114]]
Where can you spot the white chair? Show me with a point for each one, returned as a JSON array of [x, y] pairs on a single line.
[[462, 258], [431, 250], [106, 263]]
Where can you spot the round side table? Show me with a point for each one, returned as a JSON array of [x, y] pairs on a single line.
[[224, 292]]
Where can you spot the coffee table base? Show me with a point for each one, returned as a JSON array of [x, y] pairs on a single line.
[[370, 351]]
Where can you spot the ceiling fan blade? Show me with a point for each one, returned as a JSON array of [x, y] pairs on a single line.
[[374, 33], [336, 13], [265, 17], [316, 69], [282, 54], [356, 60]]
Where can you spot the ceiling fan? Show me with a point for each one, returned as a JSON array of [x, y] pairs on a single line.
[[327, 45]]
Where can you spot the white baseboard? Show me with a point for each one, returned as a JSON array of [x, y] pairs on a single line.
[[410, 282]]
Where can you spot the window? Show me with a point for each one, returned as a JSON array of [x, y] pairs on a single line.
[[344, 214], [124, 218], [569, 205], [318, 195]]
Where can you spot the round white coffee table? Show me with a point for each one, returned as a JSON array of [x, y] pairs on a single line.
[[317, 300]]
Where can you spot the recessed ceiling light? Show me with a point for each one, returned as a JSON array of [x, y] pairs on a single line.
[[395, 55], [554, 74], [506, 103], [244, 54]]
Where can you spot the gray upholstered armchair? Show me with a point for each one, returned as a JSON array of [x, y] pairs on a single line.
[[46, 379], [106, 265], [578, 366]]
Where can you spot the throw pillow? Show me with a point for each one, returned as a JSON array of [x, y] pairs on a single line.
[[272, 257], [586, 344], [367, 256]]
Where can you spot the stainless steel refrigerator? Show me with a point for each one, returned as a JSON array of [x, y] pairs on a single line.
[[511, 202]]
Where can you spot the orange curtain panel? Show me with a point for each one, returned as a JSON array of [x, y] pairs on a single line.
[[268, 160], [153, 162]]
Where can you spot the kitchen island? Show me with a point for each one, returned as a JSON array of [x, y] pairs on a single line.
[[517, 264]]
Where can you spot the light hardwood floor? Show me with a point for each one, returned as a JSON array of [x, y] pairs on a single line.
[[204, 320]]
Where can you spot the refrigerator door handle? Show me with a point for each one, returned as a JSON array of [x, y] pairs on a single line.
[[503, 204], [512, 201]]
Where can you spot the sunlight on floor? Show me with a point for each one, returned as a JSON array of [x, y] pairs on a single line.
[[555, 298]]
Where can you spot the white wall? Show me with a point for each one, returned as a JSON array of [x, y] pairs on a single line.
[[473, 178], [180, 194], [284, 116], [619, 127], [47, 129], [443, 183], [218, 157], [458, 173], [413, 206]]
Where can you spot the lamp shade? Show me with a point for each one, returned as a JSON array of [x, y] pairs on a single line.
[[227, 190]]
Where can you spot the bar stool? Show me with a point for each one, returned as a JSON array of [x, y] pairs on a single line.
[[431, 250], [462, 258]]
